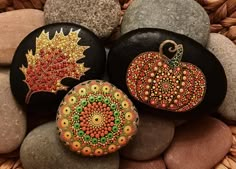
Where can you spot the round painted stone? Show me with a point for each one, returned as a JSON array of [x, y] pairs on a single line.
[[167, 72], [186, 17], [99, 16], [50, 61], [95, 118], [42, 149]]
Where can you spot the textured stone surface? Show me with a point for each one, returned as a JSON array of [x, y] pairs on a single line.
[[200, 144], [183, 16], [225, 50], [154, 164], [153, 137], [14, 26], [42, 149], [100, 16], [12, 118]]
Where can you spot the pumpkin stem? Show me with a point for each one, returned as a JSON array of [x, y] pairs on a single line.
[[178, 49]]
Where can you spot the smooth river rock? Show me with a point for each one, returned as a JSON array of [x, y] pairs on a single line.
[[100, 16], [131, 69], [13, 119], [200, 144], [43, 95], [42, 149], [183, 16], [14, 26], [153, 137], [225, 50], [154, 164]]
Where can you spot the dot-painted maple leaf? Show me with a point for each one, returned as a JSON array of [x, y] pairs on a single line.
[[54, 60]]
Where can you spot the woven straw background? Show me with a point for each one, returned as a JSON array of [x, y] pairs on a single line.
[[222, 15]]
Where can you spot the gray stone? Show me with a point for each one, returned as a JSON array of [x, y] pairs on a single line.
[[12, 118], [199, 144], [181, 16], [100, 16], [42, 149], [225, 50], [153, 137]]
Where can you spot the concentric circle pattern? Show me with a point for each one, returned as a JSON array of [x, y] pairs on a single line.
[[95, 118]]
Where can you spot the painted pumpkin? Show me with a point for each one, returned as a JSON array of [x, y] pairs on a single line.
[[163, 83], [166, 73]]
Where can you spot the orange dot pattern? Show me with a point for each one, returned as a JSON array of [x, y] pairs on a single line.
[[152, 80], [95, 118]]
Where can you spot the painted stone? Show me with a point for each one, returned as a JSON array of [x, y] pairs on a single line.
[[199, 144], [99, 16], [95, 118], [14, 26], [156, 80], [13, 119], [168, 72], [186, 17], [225, 50], [153, 138], [50, 61], [42, 149], [153, 164]]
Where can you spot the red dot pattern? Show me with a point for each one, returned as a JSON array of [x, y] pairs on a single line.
[[151, 80]]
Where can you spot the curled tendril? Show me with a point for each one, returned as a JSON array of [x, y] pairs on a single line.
[[171, 49]]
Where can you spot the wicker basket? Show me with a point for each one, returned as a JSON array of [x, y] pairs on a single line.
[[10, 161], [9, 5], [222, 15]]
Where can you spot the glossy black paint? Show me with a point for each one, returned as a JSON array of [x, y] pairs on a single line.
[[142, 40], [45, 101]]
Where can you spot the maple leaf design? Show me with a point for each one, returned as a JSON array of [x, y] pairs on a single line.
[[54, 60]]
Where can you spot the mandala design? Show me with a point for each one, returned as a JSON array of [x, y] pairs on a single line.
[[164, 83], [54, 60], [95, 118]]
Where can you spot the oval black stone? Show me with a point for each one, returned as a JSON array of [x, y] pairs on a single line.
[[136, 42], [63, 55]]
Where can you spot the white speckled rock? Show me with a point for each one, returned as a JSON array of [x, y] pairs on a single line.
[[42, 149], [12, 118], [181, 16], [154, 136], [225, 50], [199, 144], [14, 26], [100, 16]]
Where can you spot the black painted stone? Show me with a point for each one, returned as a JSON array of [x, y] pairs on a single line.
[[142, 40], [95, 60]]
